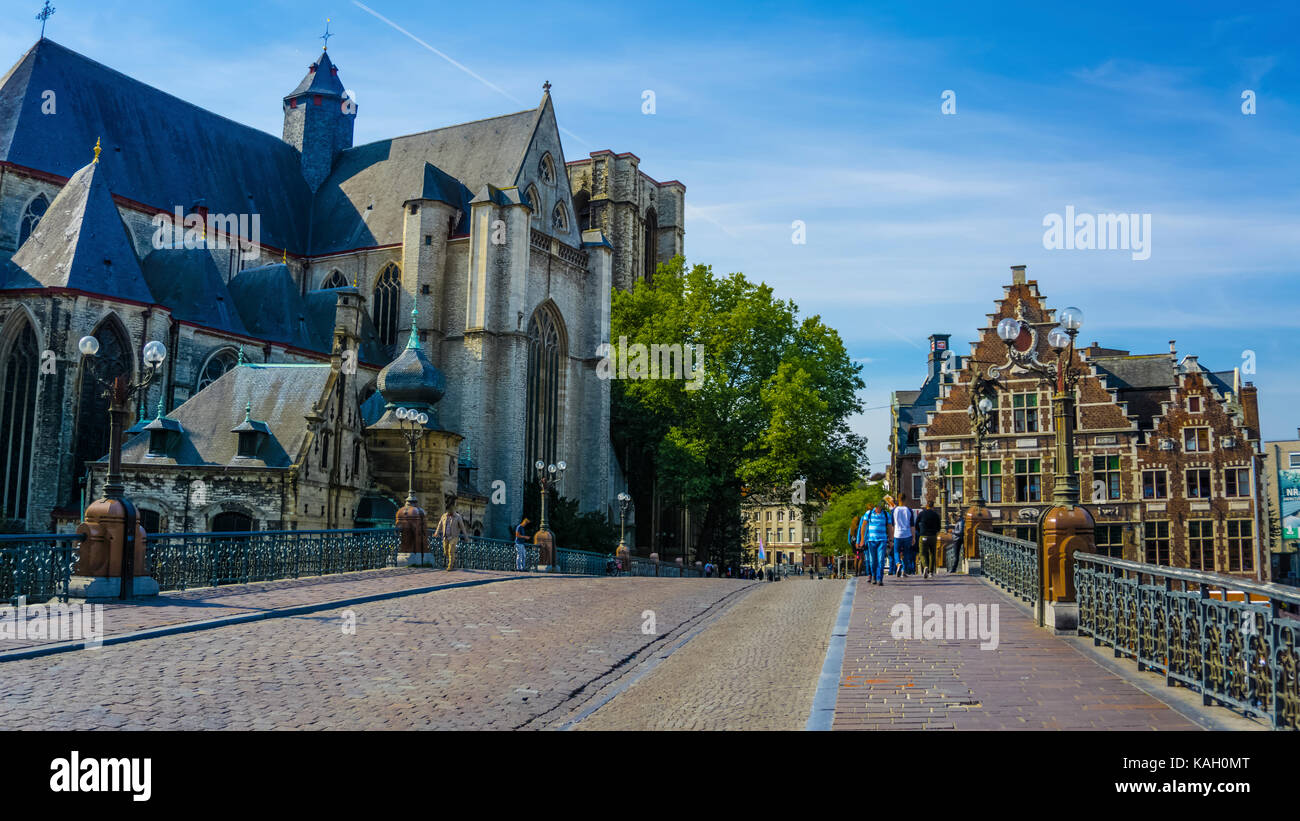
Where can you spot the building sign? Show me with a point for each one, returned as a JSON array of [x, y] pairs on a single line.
[[1288, 492]]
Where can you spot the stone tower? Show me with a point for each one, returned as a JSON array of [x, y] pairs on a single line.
[[318, 119]]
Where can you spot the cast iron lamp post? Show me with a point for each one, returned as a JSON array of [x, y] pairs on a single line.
[[412, 430], [624, 501], [548, 476], [938, 478], [1066, 527], [119, 390]]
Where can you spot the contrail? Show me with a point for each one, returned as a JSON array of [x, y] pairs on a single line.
[[460, 66]]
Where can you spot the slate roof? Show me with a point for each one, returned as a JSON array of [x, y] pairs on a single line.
[[81, 243], [280, 395], [1136, 372], [446, 164], [187, 281], [321, 78], [159, 150], [268, 300]]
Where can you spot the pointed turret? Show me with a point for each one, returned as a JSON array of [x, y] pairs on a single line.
[[82, 244], [318, 119]]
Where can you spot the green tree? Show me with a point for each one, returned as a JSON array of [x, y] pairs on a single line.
[[768, 403], [841, 513], [573, 530]]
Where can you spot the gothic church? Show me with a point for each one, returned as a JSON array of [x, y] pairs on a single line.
[[471, 265]]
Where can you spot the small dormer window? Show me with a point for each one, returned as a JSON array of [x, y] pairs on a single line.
[[248, 444], [252, 435]]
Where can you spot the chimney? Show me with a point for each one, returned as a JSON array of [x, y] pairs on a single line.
[[1250, 409], [1017, 275], [1173, 351], [938, 347]]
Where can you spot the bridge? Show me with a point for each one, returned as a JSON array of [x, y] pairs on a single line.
[[341, 629]]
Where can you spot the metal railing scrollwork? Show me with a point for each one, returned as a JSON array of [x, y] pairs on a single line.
[[37, 567], [1012, 564]]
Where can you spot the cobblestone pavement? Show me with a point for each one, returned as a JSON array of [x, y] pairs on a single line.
[[755, 668], [495, 656], [200, 604], [1032, 681]]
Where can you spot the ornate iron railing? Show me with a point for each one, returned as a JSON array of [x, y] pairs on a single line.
[[1235, 641], [181, 560], [582, 562], [1012, 564], [37, 567], [479, 553]]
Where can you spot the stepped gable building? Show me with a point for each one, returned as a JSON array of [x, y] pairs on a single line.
[[1167, 450], [229, 244]]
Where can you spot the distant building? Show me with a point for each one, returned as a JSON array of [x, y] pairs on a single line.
[[1281, 480], [787, 538], [1167, 451]]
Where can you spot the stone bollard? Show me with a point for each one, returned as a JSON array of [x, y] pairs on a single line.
[[98, 572], [413, 537]]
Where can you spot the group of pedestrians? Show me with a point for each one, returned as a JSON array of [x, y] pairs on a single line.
[[912, 532]]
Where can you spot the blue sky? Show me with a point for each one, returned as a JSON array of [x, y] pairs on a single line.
[[830, 114]]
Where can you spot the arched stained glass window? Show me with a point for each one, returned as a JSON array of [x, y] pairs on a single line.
[[32, 217], [546, 355], [217, 364], [535, 203], [388, 293], [547, 169], [335, 280], [17, 421], [114, 358]]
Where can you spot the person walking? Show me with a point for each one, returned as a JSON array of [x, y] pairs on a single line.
[[904, 545], [927, 530], [451, 529], [958, 531], [864, 558], [877, 528], [521, 546]]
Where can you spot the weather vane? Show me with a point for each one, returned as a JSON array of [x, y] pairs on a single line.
[[43, 15], [326, 36]]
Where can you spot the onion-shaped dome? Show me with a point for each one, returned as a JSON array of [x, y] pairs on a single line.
[[411, 380]]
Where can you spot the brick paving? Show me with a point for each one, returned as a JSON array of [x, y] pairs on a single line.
[[755, 668], [496, 656], [1032, 681], [200, 604]]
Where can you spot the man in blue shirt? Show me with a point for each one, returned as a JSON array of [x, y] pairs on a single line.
[[521, 546], [876, 523]]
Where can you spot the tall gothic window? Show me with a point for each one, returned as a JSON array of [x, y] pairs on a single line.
[[114, 358], [17, 421], [217, 364], [651, 245], [32, 217], [388, 294], [546, 354], [560, 218], [335, 280], [547, 169]]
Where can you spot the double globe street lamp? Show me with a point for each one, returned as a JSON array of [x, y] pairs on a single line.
[[119, 390], [412, 427]]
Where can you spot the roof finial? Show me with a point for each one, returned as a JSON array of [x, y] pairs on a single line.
[[414, 341], [326, 36], [248, 410], [284, 257], [97, 149], [546, 87], [241, 355], [43, 15], [160, 406]]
